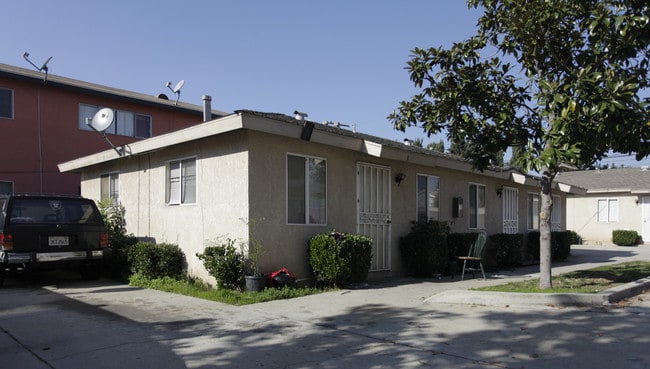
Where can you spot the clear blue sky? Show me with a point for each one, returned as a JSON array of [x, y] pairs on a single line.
[[337, 60]]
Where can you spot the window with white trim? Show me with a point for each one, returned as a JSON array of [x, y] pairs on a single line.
[[181, 182], [607, 210], [6, 103], [533, 211], [510, 204], [476, 206], [110, 186], [125, 123], [428, 198], [306, 190]]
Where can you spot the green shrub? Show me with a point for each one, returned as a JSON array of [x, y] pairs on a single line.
[[505, 250], [424, 250], [623, 237], [560, 245], [156, 260], [116, 264], [224, 263], [459, 244], [575, 238], [338, 259]]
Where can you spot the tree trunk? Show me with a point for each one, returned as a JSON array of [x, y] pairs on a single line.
[[546, 206]]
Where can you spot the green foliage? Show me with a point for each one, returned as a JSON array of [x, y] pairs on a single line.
[[565, 98], [156, 260], [223, 261], [437, 146], [113, 214], [622, 237], [424, 250], [195, 288], [459, 243], [560, 245], [505, 249], [338, 259]]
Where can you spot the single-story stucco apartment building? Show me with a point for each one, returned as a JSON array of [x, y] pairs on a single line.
[[294, 179], [617, 198]]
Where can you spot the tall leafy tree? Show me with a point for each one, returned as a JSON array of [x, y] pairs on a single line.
[[562, 79]]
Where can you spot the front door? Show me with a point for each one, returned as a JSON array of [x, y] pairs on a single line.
[[373, 211], [645, 219]]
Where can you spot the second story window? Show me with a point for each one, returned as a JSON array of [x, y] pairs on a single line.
[[125, 123], [6, 103]]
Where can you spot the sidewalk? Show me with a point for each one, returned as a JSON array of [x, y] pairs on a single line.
[[411, 292]]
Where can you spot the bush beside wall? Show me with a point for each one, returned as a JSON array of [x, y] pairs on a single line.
[[337, 258], [622, 237], [560, 245], [424, 250], [157, 260]]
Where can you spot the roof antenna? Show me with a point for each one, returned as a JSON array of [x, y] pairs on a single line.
[[100, 122], [42, 67], [176, 89]]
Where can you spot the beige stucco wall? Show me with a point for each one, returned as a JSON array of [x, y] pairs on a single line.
[[221, 209], [242, 175], [582, 216]]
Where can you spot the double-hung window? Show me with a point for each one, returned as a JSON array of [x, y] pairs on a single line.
[[181, 182], [6, 103], [533, 211], [607, 210], [476, 206], [428, 198], [110, 186], [306, 190]]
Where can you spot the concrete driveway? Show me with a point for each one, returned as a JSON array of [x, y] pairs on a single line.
[[63, 322]]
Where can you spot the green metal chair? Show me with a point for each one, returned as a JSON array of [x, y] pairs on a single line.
[[474, 257]]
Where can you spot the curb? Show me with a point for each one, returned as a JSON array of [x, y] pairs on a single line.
[[486, 298]]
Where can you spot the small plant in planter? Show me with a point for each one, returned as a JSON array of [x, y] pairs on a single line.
[[253, 250]]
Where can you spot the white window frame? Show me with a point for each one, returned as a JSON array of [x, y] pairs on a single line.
[[11, 103], [533, 203], [124, 124], [476, 214], [305, 201], [175, 196], [111, 179], [607, 210], [427, 199]]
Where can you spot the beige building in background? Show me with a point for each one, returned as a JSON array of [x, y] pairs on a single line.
[[615, 199], [294, 179]]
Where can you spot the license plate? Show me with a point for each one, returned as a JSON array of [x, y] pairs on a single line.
[[58, 240]]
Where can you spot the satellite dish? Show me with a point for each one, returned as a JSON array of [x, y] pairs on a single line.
[[177, 89], [178, 86], [102, 119]]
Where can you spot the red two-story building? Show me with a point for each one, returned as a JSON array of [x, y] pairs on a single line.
[[43, 122]]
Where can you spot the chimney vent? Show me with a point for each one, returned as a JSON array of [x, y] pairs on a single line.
[[207, 108]]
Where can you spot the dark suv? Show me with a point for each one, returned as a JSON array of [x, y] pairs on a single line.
[[44, 231]]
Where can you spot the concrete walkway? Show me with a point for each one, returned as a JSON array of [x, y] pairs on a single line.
[[70, 324]]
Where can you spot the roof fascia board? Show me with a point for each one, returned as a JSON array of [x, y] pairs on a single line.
[[214, 127]]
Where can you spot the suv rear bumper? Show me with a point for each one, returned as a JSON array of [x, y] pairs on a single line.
[[49, 257]]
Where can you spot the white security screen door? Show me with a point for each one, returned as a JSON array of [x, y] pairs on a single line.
[[510, 205], [373, 211], [645, 219]]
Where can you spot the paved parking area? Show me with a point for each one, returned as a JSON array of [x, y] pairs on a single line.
[[64, 322]]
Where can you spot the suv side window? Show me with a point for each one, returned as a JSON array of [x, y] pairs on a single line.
[[3, 207]]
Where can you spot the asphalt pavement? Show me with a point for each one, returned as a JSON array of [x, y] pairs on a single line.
[[66, 323]]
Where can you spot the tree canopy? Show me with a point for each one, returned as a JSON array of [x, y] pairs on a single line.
[[561, 80]]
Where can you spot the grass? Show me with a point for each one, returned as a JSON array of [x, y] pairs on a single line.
[[582, 281], [195, 288]]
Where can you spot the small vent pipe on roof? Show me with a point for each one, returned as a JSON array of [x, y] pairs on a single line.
[[207, 108]]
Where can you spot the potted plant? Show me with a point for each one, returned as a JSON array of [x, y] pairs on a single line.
[[253, 249]]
